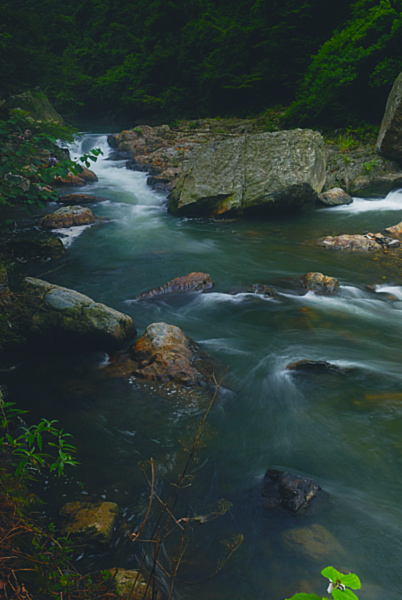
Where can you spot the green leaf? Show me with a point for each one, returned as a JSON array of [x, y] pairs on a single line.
[[301, 596], [351, 580], [344, 595], [332, 574]]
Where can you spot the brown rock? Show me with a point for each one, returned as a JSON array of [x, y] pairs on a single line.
[[74, 199], [131, 585], [335, 197], [315, 541], [90, 523], [194, 282], [317, 282], [86, 176], [165, 353], [395, 230], [68, 216]]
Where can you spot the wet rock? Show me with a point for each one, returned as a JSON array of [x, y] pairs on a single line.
[[353, 243], [335, 197], [74, 199], [57, 315], [314, 366], [315, 542], [266, 170], [319, 283], [374, 186], [194, 282], [89, 524], [389, 141], [68, 216], [165, 353], [131, 585], [288, 490], [37, 247], [260, 289], [395, 230], [86, 176]]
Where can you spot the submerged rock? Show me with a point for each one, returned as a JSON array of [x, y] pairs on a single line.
[[58, 315], [194, 282], [165, 353], [68, 216], [261, 171], [317, 282], [89, 524], [131, 585], [314, 366], [74, 199], [315, 542], [335, 197], [288, 490]]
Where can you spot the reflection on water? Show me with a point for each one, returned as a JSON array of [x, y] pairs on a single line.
[[343, 429]]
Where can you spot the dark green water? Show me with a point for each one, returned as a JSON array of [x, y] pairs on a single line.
[[343, 430]]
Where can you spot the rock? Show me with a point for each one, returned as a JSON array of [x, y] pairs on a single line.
[[376, 186], [194, 282], [165, 353], [266, 170], [74, 199], [389, 141], [319, 283], [395, 230], [260, 289], [315, 542], [132, 585], [58, 315], [335, 197], [354, 243], [314, 366], [86, 176], [36, 103], [68, 216], [5, 294], [90, 524], [288, 490], [37, 247]]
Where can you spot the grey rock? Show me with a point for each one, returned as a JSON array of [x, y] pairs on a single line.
[[266, 170], [389, 141], [335, 197], [58, 315], [288, 490]]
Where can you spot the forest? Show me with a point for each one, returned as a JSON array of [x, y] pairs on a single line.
[[328, 63]]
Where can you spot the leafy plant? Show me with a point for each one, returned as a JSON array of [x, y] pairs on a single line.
[[338, 586], [35, 447]]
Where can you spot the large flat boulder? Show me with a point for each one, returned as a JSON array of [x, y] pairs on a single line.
[[58, 315], [389, 141], [251, 172]]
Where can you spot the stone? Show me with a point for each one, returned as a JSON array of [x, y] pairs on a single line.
[[42, 247], [86, 176], [74, 199], [68, 216], [335, 197], [131, 585], [353, 243], [288, 490], [319, 283], [165, 353], [314, 366], [193, 282], [376, 186], [389, 141], [315, 542], [395, 230], [58, 315], [89, 524], [261, 171]]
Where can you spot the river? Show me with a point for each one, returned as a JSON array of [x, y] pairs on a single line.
[[341, 429]]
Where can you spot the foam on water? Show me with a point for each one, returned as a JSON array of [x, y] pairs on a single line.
[[392, 202]]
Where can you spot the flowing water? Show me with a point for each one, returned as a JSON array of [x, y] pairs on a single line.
[[342, 429]]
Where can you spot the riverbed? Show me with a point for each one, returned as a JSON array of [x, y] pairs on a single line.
[[341, 428]]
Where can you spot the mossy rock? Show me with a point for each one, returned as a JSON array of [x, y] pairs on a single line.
[[88, 523]]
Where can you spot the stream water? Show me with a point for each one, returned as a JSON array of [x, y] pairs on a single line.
[[341, 429]]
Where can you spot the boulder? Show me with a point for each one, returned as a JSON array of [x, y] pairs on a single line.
[[353, 243], [131, 585], [319, 283], [314, 366], [395, 231], [335, 197], [85, 176], [165, 353], [58, 315], [376, 186], [41, 247], [389, 141], [288, 490], [68, 216], [194, 282], [89, 524], [261, 171]]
